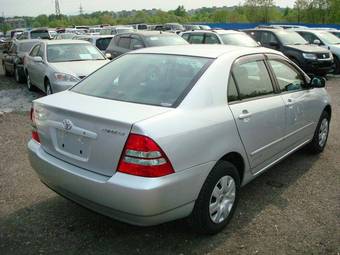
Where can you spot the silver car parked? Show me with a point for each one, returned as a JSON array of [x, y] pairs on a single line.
[[168, 132], [56, 65]]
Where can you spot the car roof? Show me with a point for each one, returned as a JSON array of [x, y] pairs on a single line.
[[67, 41], [220, 32], [204, 50], [28, 40], [149, 33]]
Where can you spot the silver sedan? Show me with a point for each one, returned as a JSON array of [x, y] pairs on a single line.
[[166, 133], [53, 66]]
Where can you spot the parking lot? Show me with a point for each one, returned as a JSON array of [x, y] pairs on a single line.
[[292, 208]]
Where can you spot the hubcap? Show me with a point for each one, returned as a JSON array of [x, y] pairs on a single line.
[[222, 199], [48, 90], [323, 132], [28, 82]]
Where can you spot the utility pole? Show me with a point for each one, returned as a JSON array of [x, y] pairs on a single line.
[[81, 10], [57, 8]]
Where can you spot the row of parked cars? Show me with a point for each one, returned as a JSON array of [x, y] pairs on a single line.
[[317, 51], [168, 129]]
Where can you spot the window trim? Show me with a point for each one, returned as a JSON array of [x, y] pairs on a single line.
[[246, 59], [293, 66]]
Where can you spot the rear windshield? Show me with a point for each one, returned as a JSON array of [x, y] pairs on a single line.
[[40, 34], [163, 40], [152, 79], [238, 39]]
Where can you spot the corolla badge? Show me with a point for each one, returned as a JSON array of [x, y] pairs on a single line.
[[67, 124]]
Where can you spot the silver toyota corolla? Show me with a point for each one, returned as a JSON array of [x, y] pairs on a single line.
[[54, 66], [165, 133]]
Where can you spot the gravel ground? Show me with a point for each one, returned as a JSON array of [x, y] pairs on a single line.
[[294, 208]]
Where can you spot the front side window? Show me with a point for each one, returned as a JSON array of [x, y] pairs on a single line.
[[26, 46], [72, 52], [268, 38], [103, 43], [124, 42], [152, 79], [186, 36], [288, 78], [40, 34], [136, 43], [35, 51], [252, 79]]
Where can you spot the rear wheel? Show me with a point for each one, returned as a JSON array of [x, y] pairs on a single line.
[[317, 145], [217, 200]]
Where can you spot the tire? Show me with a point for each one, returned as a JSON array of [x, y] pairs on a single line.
[[318, 143], [337, 65], [206, 221], [29, 84], [5, 70], [48, 88], [18, 78]]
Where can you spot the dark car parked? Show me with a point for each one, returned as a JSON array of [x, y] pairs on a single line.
[[123, 43], [13, 59], [312, 59]]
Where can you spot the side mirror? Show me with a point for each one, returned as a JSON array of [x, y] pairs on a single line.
[[108, 55], [138, 46], [37, 59], [318, 82], [317, 42]]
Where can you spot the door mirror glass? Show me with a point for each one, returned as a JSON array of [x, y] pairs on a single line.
[[37, 59], [317, 42], [318, 82]]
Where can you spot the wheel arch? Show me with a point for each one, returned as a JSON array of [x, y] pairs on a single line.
[[237, 160], [328, 109]]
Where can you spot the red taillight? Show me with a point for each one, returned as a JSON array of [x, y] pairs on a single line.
[[35, 135], [143, 157]]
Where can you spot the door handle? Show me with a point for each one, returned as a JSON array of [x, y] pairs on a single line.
[[244, 115], [290, 102]]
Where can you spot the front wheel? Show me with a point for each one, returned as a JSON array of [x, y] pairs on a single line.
[[48, 88], [18, 77], [318, 144], [217, 200], [29, 84]]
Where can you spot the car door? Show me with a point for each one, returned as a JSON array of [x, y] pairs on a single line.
[[300, 102], [40, 68], [258, 110], [31, 64]]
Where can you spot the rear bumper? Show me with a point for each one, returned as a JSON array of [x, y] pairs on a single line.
[[135, 200]]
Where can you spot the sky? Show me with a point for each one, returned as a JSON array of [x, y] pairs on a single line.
[[10, 8]]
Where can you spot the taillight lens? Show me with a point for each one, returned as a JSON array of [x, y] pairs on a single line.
[[35, 135], [143, 157]]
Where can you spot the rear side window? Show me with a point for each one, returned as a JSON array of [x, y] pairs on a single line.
[[289, 79], [232, 90], [211, 39], [252, 79], [151, 79], [124, 42], [196, 39]]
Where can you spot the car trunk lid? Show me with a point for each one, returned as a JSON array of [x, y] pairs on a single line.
[[86, 131]]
